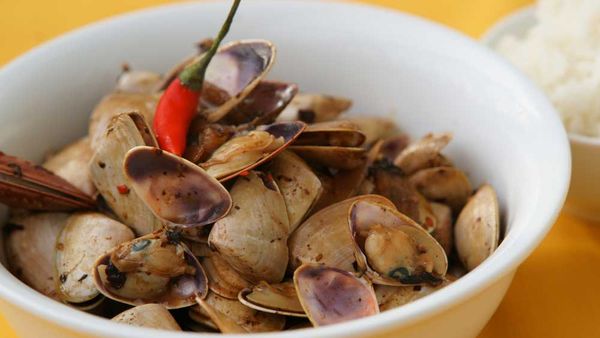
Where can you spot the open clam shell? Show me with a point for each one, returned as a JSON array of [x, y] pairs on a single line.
[[477, 229], [231, 316], [233, 73], [299, 185], [424, 153], [262, 105], [338, 133], [324, 237], [406, 198], [28, 186], [374, 128], [175, 189], [71, 163], [115, 104], [153, 316], [223, 280], [312, 108], [85, 237], [447, 185], [253, 236], [124, 132], [344, 158], [392, 146], [246, 151], [30, 242], [156, 268], [273, 298], [392, 249], [329, 295]]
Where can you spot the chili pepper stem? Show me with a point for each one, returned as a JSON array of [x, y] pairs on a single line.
[[193, 75], [179, 103]]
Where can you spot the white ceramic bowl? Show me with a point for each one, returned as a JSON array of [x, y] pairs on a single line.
[[583, 199], [425, 76]]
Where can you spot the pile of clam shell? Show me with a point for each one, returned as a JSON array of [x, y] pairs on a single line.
[[283, 213]]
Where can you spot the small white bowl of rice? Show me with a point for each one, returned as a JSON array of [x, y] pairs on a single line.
[[556, 43]]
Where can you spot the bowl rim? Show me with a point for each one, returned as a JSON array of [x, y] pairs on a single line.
[[505, 26], [501, 264]]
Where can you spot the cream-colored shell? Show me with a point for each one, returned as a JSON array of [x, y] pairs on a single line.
[[321, 107], [106, 169], [85, 237], [118, 103], [231, 316], [253, 236], [154, 316], [477, 229], [447, 185], [71, 163], [424, 153], [30, 246], [299, 185]]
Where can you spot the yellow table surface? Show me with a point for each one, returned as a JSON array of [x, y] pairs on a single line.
[[554, 292]]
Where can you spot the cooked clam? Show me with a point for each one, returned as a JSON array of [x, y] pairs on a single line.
[[30, 242], [176, 190], [338, 133], [71, 163], [443, 232], [253, 236], [124, 132], [477, 229], [324, 237], [299, 185], [28, 186], [222, 278], [329, 295], [231, 316], [262, 105], [447, 185], [392, 249], [234, 72], [248, 150], [156, 268], [85, 237], [273, 298], [312, 108], [153, 316], [424, 153], [344, 158], [115, 104]]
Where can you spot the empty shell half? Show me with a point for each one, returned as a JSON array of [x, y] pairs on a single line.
[[175, 189], [329, 295], [477, 229]]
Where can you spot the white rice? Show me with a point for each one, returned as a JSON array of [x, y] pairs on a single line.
[[562, 55]]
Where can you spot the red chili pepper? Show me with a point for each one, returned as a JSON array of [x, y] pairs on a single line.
[[123, 189], [179, 103]]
